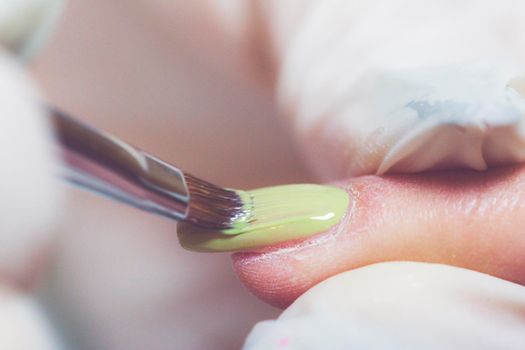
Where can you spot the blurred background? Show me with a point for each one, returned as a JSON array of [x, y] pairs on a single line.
[[168, 77]]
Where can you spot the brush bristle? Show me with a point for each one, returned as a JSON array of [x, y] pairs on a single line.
[[212, 206]]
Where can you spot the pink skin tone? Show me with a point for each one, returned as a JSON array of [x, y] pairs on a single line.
[[463, 218]]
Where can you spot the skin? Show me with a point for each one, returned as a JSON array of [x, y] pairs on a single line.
[[469, 219], [277, 214]]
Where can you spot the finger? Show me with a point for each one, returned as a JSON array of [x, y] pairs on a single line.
[[407, 304], [463, 218]]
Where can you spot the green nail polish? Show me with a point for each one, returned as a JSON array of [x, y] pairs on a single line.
[[278, 214]]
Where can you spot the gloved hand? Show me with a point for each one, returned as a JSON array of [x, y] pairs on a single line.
[[31, 198], [400, 305]]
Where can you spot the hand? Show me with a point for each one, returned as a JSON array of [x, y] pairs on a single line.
[[400, 305]]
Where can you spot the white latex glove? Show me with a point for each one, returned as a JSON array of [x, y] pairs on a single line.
[[405, 86], [30, 196], [400, 305]]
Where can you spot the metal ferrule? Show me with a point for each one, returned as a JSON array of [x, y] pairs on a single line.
[[104, 164]]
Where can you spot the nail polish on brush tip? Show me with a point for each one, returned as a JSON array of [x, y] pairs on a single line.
[[276, 214]]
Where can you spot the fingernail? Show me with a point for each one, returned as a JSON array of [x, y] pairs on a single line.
[[279, 214]]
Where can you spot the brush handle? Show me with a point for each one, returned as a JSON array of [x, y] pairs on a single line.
[[106, 165]]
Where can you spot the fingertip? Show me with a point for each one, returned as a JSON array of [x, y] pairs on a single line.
[[268, 277], [280, 273]]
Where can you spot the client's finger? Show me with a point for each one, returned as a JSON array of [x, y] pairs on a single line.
[[464, 218]]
